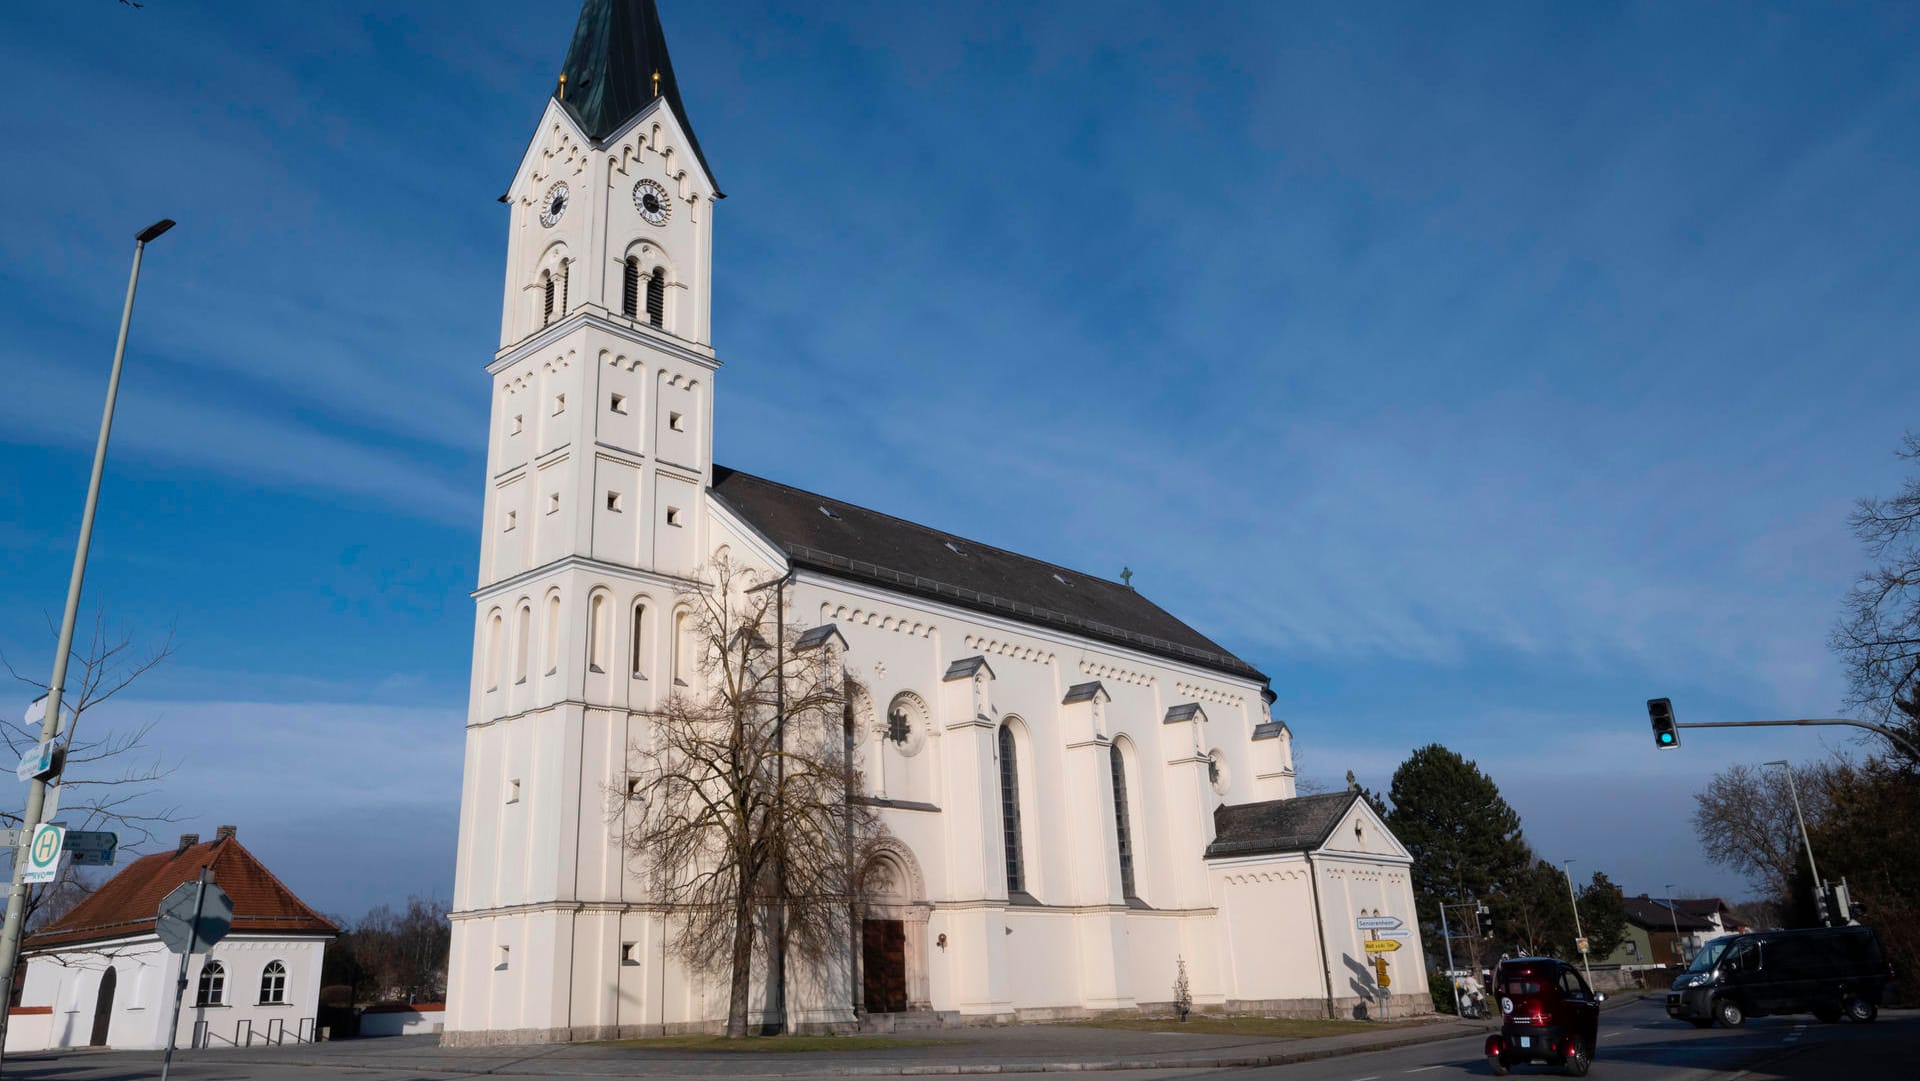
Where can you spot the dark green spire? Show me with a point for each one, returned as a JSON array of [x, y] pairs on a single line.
[[618, 48]]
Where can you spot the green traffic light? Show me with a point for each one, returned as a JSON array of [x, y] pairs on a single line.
[[1666, 737]]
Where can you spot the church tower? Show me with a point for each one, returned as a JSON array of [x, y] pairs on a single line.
[[599, 454]]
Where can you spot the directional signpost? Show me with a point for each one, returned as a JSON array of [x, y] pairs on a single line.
[[192, 918], [37, 762], [1382, 945], [1377, 923], [92, 848], [1384, 935]]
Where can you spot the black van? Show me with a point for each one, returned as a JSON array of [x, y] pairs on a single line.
[[1829, 972]]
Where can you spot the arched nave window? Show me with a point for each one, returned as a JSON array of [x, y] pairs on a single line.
[[630, 289], [1010, 812], [523, 637], [1122, 830], [657, 297], [639, 639]]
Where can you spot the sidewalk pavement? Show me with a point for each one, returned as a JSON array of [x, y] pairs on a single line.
[[1016, 1049]]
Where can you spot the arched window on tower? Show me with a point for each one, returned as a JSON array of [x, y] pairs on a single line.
[[565, 265], [639, 640], [553, 633], [1122, 830], [494, 645], [597, 633], [522, 637], [657, 297], [546, 298], [1010, 812], [679, 647], [630, 289]]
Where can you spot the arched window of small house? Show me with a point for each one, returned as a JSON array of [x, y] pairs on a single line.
[[657, 297], [213, 985], [273, 984], [630, 289], [1010, 811], [1122, 828]]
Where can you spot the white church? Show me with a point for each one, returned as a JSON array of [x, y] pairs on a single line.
[[1083, 792]]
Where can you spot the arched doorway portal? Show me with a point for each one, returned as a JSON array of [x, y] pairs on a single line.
[[893, 940], [103, 1008]]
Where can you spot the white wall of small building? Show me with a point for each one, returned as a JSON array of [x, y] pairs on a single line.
[[69, 982]]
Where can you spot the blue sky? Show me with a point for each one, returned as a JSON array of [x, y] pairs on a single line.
[[1475, 372]]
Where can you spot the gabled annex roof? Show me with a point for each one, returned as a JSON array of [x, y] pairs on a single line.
[[129, 902], [618, 47], [849, 541], [1654, 915], [1301, 824]]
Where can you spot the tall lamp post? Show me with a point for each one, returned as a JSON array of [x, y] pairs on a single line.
[[1577, 932], [1675, 913], [1794, 791], [50, 724]]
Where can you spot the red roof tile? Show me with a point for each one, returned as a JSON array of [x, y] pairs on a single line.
[[129, 902]]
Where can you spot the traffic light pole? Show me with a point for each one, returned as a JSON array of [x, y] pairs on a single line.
[[1811, 722]]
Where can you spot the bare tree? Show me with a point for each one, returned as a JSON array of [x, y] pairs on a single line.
[[1744, 819], [109, 780], [743, 798], [1878, 635]]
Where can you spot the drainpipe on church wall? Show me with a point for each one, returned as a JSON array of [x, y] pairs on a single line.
[[1320, 935]]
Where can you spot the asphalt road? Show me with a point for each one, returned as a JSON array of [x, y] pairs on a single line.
[[1639, 1043]]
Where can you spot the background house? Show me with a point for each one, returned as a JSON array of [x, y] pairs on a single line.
[[100, 976]]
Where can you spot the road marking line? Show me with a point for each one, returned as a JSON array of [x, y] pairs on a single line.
[[1375, 1077], [1424, 1069]]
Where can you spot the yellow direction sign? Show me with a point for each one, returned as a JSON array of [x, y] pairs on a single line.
[[1382, 945]]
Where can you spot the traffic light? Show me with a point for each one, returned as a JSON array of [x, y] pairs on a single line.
[[1666, 734], [1823, 905], [1486, 921]]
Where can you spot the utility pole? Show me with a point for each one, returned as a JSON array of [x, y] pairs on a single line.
[[1675, 913], [1577, 932], [50, 724]]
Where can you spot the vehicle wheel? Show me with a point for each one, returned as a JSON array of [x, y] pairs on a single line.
[[1700, 1024], [1859, 1009], [1498, 1065], [1728, 1013], [1827, 1014], [1580, 1061]]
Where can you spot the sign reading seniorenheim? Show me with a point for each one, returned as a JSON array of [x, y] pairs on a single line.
[[43, 855], [1377, 923]]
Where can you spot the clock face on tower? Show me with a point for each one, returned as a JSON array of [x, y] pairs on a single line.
[[650, 199], [554, 206]]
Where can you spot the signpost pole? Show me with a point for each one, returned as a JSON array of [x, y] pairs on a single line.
[[1451, 978], [180, 985]]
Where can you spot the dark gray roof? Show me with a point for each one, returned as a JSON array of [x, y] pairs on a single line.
[[1183, 712], [617, 47], [819, 636], [1653, 915], [1277, 825], [867, 546], [1270, 729], [1083, 692], [965, 667]]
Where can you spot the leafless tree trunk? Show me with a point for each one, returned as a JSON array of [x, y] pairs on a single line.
[[108, 781], [1744, 819], [1878, 635], [742, 795]]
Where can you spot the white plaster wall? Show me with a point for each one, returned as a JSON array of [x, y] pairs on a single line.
[[69, 981]]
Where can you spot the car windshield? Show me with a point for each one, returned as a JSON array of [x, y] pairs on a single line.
[[1710, 956]]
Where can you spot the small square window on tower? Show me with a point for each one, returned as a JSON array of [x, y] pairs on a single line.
[[617, 403], [512, 519], [629, 953], [676, 422], [673, 516], [513, 790], [519, 424], [559, 404], [613, 502], [505, 953], [553, 502], [633, 787]]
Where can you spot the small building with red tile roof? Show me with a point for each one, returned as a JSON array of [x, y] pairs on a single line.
[[100, 976]]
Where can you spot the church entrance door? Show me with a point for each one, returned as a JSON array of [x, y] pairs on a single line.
[[103, 1009], [884, 962]]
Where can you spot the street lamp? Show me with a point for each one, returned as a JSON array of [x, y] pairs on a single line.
[[1675, 913], [1794, 791], [1577, 932], [50, 724]]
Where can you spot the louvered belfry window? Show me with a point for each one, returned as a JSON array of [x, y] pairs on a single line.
[[630, 291], [564, 265], [1122, 834], [657, 297], [1010, 811], [546, 309]]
